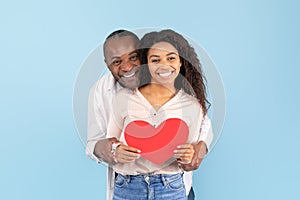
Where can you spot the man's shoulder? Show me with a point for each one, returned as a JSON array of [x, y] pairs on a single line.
[[106, 82], [102, 85], [106, 79], [125, 93]]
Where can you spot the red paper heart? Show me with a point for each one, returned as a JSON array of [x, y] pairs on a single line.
[[156, 144]]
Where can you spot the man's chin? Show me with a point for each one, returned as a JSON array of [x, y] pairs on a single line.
[[129, 83]]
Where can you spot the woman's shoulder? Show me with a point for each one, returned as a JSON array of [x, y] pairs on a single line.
[[189, 102], [187, 97]]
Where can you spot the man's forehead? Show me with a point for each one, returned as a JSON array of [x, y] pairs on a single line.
[[116, 47]]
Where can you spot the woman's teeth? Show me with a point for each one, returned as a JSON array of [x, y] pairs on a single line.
[[165, 74]]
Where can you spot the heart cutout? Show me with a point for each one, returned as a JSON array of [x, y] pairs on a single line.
[[156, 143]]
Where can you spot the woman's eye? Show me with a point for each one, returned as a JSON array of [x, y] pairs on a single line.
[[155, 60], [171, 58]]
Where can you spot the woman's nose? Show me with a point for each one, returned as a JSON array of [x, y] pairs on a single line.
[[164, 62]]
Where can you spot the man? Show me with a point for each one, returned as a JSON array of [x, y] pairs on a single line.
[[121, 57]]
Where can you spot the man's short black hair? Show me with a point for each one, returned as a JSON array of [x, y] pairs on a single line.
[[118, 34], [121, 33]]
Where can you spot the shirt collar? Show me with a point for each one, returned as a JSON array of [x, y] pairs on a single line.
[[114, 85], [118, 87]]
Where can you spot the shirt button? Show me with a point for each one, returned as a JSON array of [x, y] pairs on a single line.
[[154, 114]]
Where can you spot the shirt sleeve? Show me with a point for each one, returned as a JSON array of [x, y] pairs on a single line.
[[201, 127], [96, 121], [206, 132], [116, 121]]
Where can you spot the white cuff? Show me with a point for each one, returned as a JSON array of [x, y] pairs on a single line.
[[89, 150]]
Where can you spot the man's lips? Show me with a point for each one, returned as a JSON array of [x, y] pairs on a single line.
[[129, 75]]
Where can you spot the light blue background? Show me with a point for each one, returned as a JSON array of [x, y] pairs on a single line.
[[254, 44]]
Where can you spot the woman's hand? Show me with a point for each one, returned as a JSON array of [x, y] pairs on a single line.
[[184, 153], [126, 154]]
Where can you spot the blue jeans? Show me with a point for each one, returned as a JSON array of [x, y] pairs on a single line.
[[149, 187], [191, 195]]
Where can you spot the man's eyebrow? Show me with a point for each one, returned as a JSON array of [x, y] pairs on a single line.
[[117, 57], [114, 57], [133, 52]]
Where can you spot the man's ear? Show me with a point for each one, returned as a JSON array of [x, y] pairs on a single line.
[[107, 64], [105, 61]]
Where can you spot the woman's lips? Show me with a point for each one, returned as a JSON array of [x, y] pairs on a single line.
[[165, 74]]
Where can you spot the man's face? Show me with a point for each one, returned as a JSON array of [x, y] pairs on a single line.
[[122, 59]]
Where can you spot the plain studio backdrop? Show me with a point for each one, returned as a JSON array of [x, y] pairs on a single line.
[[254, 45]]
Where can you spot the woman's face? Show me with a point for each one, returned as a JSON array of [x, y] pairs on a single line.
[[164, 63]]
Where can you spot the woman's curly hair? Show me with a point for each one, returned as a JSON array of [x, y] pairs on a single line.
[[192, 79]]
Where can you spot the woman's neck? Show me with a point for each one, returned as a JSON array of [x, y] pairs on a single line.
[[157, 95], [159, 90]]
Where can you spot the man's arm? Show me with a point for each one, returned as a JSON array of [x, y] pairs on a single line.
[[103, 149], [202, 147], [98, 146]]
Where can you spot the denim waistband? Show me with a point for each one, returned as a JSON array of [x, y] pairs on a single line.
[[152, 177]]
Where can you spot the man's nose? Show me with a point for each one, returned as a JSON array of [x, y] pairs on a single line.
[[126, 66]]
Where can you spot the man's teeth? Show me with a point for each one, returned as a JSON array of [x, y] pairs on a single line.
[[129, 75], [165, 74]]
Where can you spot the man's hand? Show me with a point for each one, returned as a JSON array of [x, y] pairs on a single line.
[[200, 151], [103, 149], [184, 153]]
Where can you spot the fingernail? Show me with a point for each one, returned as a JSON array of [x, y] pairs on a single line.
[[178, 146], [175, 151], [139, 151]]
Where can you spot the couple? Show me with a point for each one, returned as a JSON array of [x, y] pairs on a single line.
[[171, 86]]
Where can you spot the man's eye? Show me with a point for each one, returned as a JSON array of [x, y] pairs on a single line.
[[116, 62], [133, 58]]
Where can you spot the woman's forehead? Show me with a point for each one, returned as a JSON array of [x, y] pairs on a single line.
[[163, 47]]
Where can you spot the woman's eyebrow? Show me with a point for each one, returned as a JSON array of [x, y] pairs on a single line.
[[153, 56], [171, 53]]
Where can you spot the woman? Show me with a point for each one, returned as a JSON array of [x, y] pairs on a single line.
[[172, 87]]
